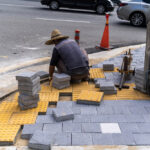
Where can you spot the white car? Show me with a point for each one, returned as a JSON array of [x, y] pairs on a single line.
[[136, 11]]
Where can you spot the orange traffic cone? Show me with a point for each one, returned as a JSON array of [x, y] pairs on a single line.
[[105, 39]]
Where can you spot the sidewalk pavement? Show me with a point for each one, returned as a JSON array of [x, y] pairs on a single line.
[[7, 75]]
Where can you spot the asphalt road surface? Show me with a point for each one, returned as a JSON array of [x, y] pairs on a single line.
[[25, 25]]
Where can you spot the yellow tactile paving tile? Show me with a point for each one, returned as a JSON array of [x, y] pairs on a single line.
[[90, 96], [21, 118], [80, 86], [15, 98], [45, 89], [4, 117], [8, 133], [142, 96], [110, 97], [9, 106], [96, 73], [49, 97], [75, 95]]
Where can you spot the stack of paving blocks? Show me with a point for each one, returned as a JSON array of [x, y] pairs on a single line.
[[61, 81], [63, 112], [28, 86], [108, 67], [108, 88], [43, 75], [140, 79]]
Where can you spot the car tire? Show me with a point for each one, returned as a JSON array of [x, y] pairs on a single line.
[[100, 9], [137, 19], [54, 5]]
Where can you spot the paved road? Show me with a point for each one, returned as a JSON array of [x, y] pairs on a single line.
[[25, 25]]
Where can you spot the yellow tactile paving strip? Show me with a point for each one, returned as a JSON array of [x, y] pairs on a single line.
[[49, 97], [21, 118], [96, 73], [90, 96], [4, 117], [45, 89], [8, 133]]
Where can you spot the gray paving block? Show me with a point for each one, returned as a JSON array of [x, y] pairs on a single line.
[[86, 102], [142, 139], [134, 118], [61, 114], [50, 111], [121, 109], [45, 119], [60, 86], [28, 88], [123, 139], [102, 139], [81, 139], [76, 111], [99, 81], [88, 111], [82, 118], [53, 128], [110, 92], [42, 74], [76, 105], [61, 77], [139, 71], [71, 127], [30, 93], [144, 128], [32, 83], [40, 141], [62, 104], [105, 110], [129, 127], [91, 128], [108, 67], [137, 110], [28, 97], [26, 76], [23, 107], [107, 86], [28, 103], [28, 130], [109, 76]]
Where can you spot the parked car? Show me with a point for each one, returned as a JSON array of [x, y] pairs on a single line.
[[136, 11], [100, 6], [116, 1]]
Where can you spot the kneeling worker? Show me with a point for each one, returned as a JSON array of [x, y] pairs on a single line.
[[68, 57]]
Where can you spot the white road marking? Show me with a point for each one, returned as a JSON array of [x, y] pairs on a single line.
[[75, 21], [12, 5]]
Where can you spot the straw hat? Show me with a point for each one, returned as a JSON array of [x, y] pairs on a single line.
[[55, 35]]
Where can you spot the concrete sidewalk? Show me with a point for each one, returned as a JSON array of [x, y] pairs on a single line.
[[7, 75]]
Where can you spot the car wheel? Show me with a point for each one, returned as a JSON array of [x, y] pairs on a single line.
[[100, 9], [54, 5], [137, 19]]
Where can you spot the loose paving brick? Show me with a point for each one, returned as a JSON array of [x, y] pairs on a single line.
[[42, 74], [108, 67], [81, 139], [40, 141], [129, 127], [71, 127], [91, 128], [62, 114], [53, 128], [61, 77], [123, 139], [28, 130], [108, 86], [142, 139], [102, 139], [45, 119]]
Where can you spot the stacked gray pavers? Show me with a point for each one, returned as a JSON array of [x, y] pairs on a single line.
[[108, 67], [63, 112], [140, 79], [28, 87], [42, 74], [108, 87], [61, 81]]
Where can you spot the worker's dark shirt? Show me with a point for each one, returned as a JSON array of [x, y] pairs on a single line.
[[72, 56]]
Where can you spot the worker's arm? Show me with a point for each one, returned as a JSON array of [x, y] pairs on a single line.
[[51, 71]]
